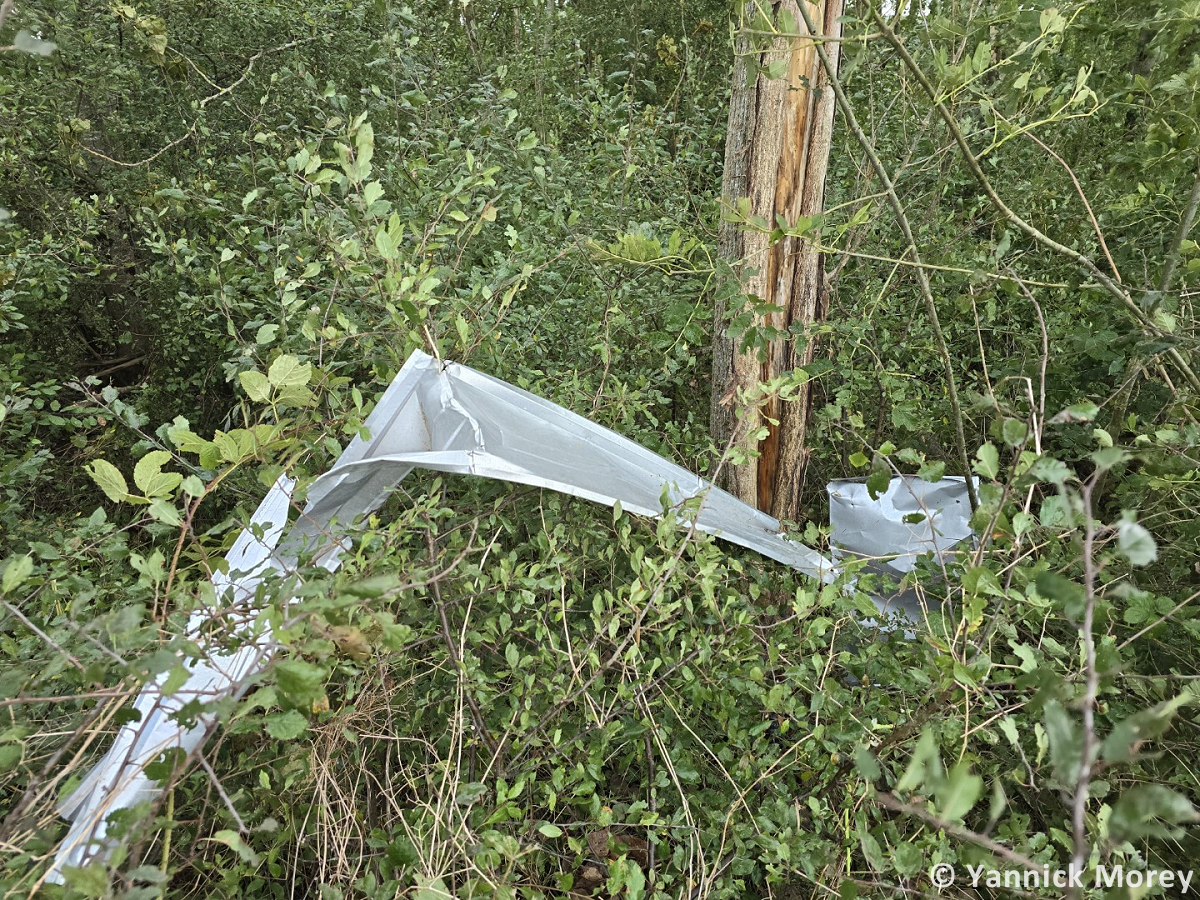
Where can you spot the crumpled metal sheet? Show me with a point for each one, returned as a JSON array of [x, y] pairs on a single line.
[[448, 418], [434, 415], [119, 780], [876, 530]]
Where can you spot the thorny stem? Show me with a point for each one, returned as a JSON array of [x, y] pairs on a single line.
[[922, 277], [1113, 288]]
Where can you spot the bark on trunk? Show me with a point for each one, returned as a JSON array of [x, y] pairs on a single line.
[[776, 154]]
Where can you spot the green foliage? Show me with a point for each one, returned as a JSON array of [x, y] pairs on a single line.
[[228, 225]]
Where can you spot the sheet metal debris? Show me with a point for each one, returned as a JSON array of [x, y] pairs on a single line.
[[877, 532], [448, 418]]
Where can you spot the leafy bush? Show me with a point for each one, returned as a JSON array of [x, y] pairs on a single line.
[[228, 225]]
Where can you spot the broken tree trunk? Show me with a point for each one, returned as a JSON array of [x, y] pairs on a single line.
[[776, 156]]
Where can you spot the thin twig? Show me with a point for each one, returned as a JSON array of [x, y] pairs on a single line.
[[1082, 196], [45, 637], [203, 103], [216, 782], [1185, 225], [1091, 686], [890, 801], [1178, 606], [476, 713]]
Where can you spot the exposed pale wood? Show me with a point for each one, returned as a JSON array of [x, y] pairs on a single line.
[[776, 154]]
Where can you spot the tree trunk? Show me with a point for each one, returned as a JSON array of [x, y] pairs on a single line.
[[776, 154]]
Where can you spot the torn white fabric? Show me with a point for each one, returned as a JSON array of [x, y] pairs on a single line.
[[449, 418], [877, 528], [434, 415]]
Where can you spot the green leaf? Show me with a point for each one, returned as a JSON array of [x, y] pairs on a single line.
[[164, 512], [266, 334], [10, 756], [777, 69], [1146, 725], [256, 385], [150, 478], [1068, 593], [26, 42], [234, 842], [1052, 21], [1055, 512], [372, 192], [1136, 544], [1015, 431], [959, 792], [1066, 744], [175, 680], [872, 852], [1150, 810], [300, 682], [528, 142], [988, 460], [110, 479], [432, 889], [286, 726], [925, 763], [15, 573], [1079, 412], [635, 881], [1022, 522], [364, 145], [932, 471], [866, 764], [1050, 470], [859, 460], [550, 831], [878, 481], [1009, 726], [192, 486], [287, 371]]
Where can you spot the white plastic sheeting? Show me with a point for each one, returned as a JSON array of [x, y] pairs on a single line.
[[448, 418]]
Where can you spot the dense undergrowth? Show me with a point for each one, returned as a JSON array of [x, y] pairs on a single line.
[[227, 225]]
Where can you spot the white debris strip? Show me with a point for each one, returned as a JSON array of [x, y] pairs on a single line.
[[448, 418]]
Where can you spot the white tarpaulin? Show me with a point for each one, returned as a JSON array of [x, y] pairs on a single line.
[[435, 415]]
